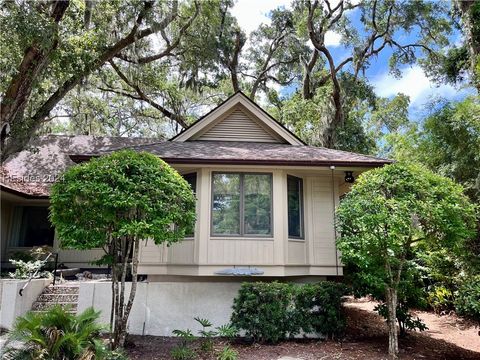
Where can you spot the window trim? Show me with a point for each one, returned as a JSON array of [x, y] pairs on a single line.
[[242, 234], [302, 209]]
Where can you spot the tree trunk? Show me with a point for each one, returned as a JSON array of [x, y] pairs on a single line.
[[133, 291], [391, 298]]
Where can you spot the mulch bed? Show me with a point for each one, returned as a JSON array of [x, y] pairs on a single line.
[[366, 338]]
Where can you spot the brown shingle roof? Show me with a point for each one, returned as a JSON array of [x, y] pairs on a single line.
[[32, 171], [249, 153]]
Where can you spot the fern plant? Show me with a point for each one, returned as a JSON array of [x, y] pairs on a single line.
[[56, 335]]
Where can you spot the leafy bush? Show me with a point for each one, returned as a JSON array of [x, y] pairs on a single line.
[[228, 353], [320, 308], [57, 335], [406, 321], [28, 262], [265, 311], [467, 302], [25, 269], [116, 355], [186, 351], [183, 353], [271, 312], [207, 334], [440, 299]]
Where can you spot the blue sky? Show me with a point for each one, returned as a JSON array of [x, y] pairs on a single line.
[[413, 82]]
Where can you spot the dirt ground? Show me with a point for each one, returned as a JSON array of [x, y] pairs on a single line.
[[448, 338]]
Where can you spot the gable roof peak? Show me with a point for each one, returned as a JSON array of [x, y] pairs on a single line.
[[265, 129]]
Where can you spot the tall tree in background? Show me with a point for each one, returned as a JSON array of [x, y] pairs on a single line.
[[54, 46], [149, 67], [461, 61]]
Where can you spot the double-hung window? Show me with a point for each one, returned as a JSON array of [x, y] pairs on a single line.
[[295, 207], [241, 204]]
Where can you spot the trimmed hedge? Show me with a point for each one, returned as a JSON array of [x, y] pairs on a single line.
[[271, 312]]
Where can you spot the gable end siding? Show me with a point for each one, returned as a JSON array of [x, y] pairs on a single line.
[[238, 126]]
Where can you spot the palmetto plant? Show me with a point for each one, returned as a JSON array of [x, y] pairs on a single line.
[[56, 335]]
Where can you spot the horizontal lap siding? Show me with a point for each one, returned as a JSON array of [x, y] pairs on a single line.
[[238, 126]]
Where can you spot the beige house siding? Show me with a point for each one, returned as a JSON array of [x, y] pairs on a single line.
[[238, 125], [276, 255]]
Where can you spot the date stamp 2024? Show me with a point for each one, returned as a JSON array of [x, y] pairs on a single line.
[[33, 178]]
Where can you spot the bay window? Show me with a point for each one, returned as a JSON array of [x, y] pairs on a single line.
[[242, 204]]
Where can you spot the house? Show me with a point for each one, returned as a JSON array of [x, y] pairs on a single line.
[[265, 207], [265, 200]]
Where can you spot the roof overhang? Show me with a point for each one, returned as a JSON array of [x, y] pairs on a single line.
[[176, 160], [22, 194]]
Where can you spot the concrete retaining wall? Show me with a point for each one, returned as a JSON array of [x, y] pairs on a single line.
[[161, 307], [12, 304]]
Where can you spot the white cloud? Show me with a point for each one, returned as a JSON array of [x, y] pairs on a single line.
[[251, 13], [332, 38], [413, 83]]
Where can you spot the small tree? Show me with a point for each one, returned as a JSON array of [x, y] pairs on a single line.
[[114, 202], [387, 213]]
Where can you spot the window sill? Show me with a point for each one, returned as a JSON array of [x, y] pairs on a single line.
[[296, 240], [243, 238]]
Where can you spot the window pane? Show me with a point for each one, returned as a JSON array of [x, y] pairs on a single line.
[[34, 226], [257, 204], [192, 180], [226, 204], [295, 211]]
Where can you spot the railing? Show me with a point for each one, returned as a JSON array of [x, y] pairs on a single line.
[[20, 292]]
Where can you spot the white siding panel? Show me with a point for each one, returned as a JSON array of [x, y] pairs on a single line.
[[239, 126]]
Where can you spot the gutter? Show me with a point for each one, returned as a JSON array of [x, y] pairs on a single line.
[[82, 158]]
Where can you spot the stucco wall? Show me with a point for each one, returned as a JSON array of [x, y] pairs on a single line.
[[12, 304], [161, 307]]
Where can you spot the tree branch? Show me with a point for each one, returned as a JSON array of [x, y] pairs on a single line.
[[142, 96]]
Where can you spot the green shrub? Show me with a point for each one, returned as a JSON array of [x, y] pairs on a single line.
[[467, 302], [116, 355], [265, 311], [271, 312], [207, 334], [228, 353], [406, 321], [181, 352], [57, 335], [439, 298], [319, 308]]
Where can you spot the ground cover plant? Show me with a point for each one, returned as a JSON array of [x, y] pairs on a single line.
[[58, 335]]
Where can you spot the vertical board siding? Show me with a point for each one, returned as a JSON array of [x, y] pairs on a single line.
[[239, 126], [322, 223], [181, 253], [240, 252], [297, 253]]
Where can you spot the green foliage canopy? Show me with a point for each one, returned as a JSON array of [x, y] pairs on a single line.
[[124, 194], [389, 211]]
